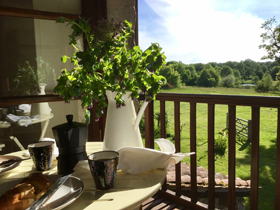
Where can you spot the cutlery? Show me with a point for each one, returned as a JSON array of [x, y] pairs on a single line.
[[12, 161], [53, 188]]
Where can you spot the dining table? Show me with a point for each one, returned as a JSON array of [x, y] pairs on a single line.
[[129, 191]]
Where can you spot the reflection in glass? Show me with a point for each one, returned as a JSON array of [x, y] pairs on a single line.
[[61, 6], [32, 55], [19, 126]]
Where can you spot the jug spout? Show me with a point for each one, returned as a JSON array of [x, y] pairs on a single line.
[[140, 113]]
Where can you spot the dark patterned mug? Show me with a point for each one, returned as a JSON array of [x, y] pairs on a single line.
[[42, 154], [104, 167]]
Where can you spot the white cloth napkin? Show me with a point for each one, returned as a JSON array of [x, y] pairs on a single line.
[[23, 120], [135, 160]]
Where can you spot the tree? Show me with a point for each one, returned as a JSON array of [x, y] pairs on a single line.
[[259, 72], [226, 70], [241, 69], [274, 71], [193, 76], [271, 40], [179, 67], [173, 77], [277, 84], [236, 73], [264, 68], [186, 76], [255, 79], [208, 78], [228, 81], [231, 64], [265, 85], [198, 67]]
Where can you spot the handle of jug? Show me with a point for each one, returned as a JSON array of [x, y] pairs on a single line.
[[139, 116]]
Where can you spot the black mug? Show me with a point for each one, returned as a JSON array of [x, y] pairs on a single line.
[[104, 167], [42, 154]]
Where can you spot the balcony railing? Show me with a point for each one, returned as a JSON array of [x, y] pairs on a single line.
[[255, 102]]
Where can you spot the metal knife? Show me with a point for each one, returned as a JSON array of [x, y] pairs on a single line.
[[37, 204], [12, 161]]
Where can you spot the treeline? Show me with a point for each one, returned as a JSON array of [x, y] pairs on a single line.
[[229, 74]]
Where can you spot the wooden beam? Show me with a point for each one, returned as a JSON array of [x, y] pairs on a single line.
[[28, 13]]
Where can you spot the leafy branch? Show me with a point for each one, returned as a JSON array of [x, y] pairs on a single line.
[[107, 64]]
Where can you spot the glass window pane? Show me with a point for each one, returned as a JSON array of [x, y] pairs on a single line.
[[61, 6], [24, 124], [32, 55]]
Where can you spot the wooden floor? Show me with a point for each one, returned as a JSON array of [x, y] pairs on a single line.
[[159, 201]]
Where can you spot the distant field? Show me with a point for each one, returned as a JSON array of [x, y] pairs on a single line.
[[218, 90], [243, 153]]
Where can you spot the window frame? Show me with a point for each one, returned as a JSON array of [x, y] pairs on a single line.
[[93, 9]]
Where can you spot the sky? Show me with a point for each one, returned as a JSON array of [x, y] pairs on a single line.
[[203, 31]]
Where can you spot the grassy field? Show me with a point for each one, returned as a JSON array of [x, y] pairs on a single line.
[[268, 132]]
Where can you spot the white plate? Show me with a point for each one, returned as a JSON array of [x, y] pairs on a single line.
[[65, 195], [10, 167]]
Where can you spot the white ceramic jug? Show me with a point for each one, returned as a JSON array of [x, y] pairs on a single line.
[[43, 107], [122, 125]]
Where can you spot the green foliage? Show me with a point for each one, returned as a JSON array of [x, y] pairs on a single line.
[[172, 76], [44, 69], [208, 78], [264, 85], [226, 70], [236, 73], [199, 67], [255, 79], [243, 71], [221, 143], [107, 64], [157, 125], [259, 72], [189, 76], [274, 71], [25, 80], [228, 81], [271, 40]]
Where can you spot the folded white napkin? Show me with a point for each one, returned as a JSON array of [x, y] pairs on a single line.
[[135, 160]]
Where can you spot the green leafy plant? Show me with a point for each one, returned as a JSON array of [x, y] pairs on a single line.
[[28, 78], [44, 69], [157, 125], [25, 80], [107, 64], [221, 143]]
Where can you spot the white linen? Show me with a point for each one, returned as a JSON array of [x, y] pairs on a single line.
[[23, 120], [135, 160]]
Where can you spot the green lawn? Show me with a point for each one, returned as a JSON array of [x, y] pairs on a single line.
[[267, 138]]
